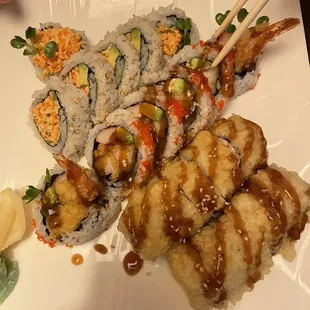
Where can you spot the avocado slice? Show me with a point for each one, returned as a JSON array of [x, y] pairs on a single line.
[[124, 136], [197, 63], [83, 75], [135, 38], [178, 86], [55, 98], [151, 111], [113, 54]]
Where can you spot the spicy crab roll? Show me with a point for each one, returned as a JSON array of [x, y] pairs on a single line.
[[123, 58], [49, 46], [143, 37], [174, 29], [70, 206], [59, 117], [122, 150], [88, 72]]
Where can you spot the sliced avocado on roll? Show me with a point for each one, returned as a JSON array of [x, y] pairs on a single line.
[[82, 80], [124, 136], [135, 38], [151, 111], [177, 87], [198, 63], [111, 54]]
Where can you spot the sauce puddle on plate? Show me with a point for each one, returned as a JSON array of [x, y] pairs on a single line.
[[100, 248], [77, 259], [132, 263]]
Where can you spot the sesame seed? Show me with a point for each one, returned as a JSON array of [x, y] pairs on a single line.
[[219, 248], [184, 240], [212, 186], [214, 196], [170, 218], [197, 265], [239, 231], [200, 269], [204, 199], [201, 190], [205, 285], [213, 201], [276, 228], [246, 238]]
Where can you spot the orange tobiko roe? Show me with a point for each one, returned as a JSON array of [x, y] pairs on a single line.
[[175, 107], [145, 133]]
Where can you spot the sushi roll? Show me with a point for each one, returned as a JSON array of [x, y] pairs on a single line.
[[121, 150], [60, 117], [173, 101], [88, 72], [52, 45], [143, 37], [175, 204], [188, 191], [174, 29], [228, 256], [248, 137], [218, 159], [122, 56], [70, 205]]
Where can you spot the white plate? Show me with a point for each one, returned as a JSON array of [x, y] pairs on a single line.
[[280, 104]]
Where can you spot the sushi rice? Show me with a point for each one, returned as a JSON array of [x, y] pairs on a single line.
[[128, 77], [96, 222], [103, 97], [74, 117]]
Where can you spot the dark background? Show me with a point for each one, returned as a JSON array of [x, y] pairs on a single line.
[[305, 7]]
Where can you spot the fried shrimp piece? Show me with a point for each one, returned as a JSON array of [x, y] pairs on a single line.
[[86, 187]]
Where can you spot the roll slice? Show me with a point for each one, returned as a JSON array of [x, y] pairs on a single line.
[[141, 33], [122, 149], [88, 72], [68, 42], [60, 117], [219, 161], [248, 137], [71, 207], [121, 55], [170, 24], [175, 97]]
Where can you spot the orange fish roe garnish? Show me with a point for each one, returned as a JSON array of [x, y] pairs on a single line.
[[68, 43], [176, 140], [34, 224], [46, 118], [193, 46], [201, 82], [175, 107], [221, 105], [170, 38], [201, 43], [145, 134], [51, 244]]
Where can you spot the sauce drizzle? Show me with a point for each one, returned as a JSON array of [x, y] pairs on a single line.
[[132, 263]]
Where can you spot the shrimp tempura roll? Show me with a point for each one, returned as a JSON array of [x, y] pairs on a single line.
[[226, 258]]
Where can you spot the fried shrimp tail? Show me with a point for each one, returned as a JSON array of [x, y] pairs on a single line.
[[86, 187], [251, 44]]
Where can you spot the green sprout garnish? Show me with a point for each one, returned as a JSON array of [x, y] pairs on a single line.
[[31, 194], [30, 34], [185, 25], [242, 14]]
